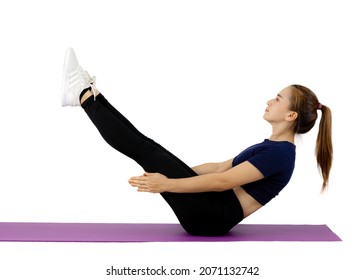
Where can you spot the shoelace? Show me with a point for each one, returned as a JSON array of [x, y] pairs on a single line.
[[93, 87], [89, 81]]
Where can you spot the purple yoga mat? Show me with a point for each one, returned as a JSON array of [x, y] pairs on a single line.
[[101, 232]]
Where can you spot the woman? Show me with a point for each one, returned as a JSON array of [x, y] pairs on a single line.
[[211, 198]]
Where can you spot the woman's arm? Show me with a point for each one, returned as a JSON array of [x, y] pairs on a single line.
[[241, 174], [213, 167]]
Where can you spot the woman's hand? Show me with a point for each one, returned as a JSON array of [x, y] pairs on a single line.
[[150, 182]]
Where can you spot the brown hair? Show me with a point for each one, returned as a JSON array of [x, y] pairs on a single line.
[[306, 104]]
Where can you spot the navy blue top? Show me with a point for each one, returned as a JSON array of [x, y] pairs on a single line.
[[275, 160]]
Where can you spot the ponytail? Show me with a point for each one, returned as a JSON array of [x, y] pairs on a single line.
[[324, 149], [306, 104]]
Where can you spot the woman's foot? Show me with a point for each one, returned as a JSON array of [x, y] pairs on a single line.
[[75, 80]]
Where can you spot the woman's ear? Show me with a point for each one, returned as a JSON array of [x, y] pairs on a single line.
[[292, 116]]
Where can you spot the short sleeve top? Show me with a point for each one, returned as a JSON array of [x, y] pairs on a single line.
[[276, 161]]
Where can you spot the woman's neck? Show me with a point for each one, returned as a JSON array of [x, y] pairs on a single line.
[[282, 135], [282, 138]]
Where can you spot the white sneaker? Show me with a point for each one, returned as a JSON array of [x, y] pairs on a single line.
[[75, 80]]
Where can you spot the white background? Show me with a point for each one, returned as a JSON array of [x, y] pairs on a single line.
[[195, 76]]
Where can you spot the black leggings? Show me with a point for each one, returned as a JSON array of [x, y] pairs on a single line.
[[205, 213]]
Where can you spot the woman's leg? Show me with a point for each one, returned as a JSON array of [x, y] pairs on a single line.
[[209, 213], [119, 133], [118, 115]]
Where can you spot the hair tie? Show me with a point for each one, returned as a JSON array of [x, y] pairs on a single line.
[[319, 107]]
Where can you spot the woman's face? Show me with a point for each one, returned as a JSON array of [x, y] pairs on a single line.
[[278, 109]]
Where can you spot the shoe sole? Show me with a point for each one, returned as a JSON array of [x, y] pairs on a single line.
[[65, 84], [64, 98]]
